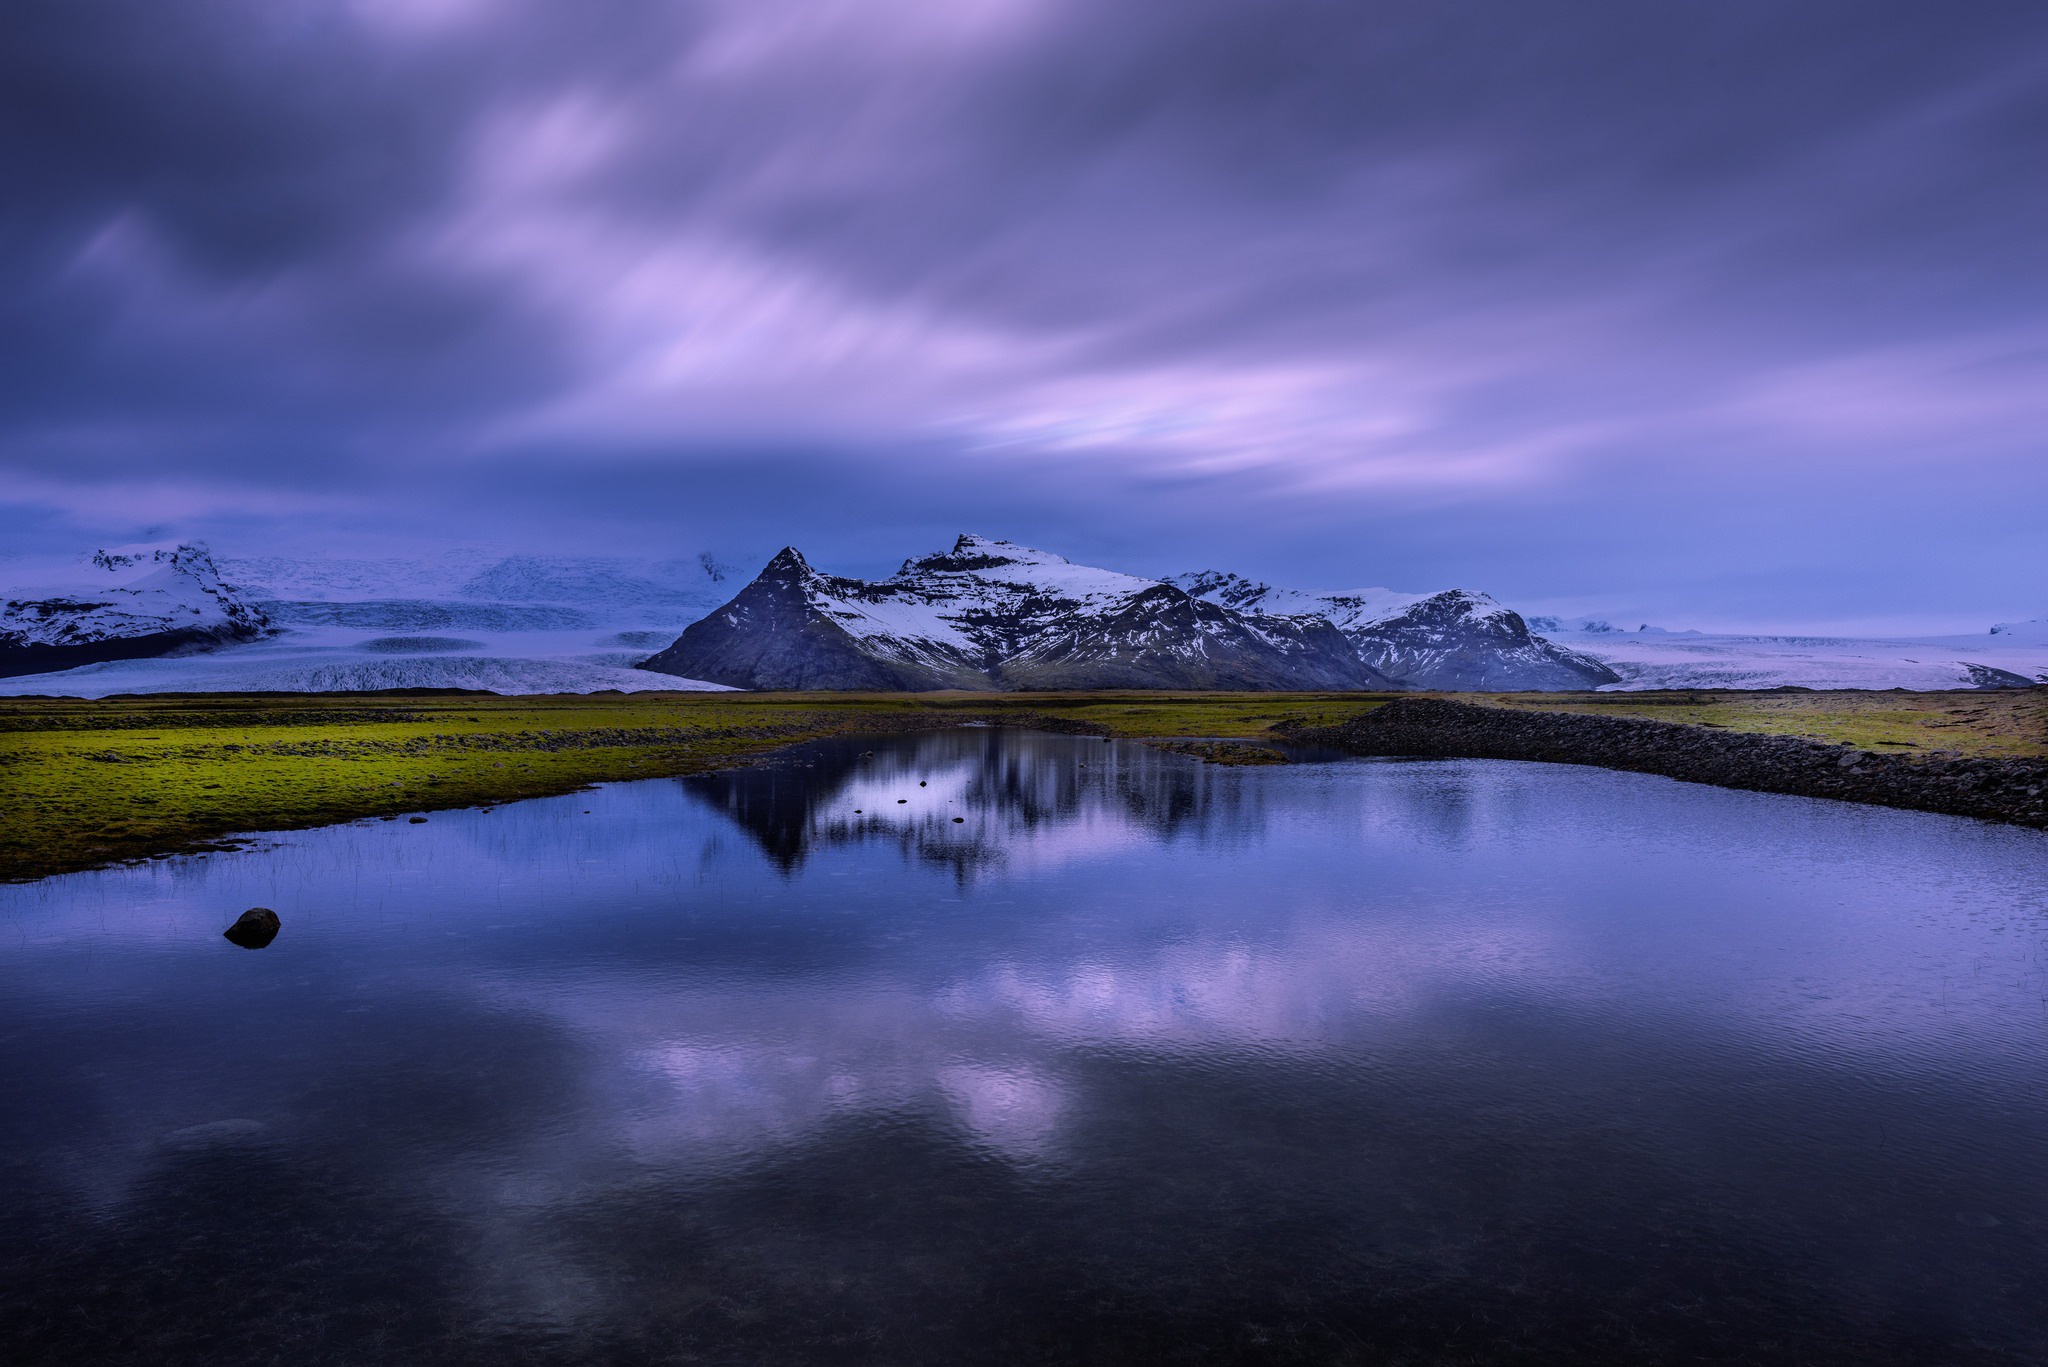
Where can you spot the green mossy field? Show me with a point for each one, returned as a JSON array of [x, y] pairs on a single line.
[[84, 784]]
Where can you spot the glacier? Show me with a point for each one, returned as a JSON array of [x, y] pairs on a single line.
[[463, 619], [1656, 659]]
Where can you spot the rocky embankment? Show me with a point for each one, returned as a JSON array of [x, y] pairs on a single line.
[[2013, 790]]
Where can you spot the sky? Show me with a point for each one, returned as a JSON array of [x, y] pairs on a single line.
[[1708, 312]]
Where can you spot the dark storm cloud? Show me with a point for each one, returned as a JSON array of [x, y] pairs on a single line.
[[1397, 291], [262, 166]]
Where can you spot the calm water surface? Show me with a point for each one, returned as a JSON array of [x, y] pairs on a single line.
[[1137, 1061]]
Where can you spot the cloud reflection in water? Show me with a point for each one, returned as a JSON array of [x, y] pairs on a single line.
[[1143, 1053]]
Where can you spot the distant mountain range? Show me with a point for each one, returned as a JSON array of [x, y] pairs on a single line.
[[1456, 640], [982, 614]]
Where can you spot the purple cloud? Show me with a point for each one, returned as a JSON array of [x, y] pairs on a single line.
[[1727, 312]]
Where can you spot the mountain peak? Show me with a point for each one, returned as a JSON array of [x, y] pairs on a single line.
[[788, 560], [970, 544], [178, 554], [993, 614], [971, 552]]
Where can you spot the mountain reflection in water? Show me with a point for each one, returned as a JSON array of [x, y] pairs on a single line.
[[1138, 1061], [906, 791]]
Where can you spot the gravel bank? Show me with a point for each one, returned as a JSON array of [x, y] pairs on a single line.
[[2011, 790]]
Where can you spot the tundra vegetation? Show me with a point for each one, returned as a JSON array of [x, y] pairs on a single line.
[[89, 783]]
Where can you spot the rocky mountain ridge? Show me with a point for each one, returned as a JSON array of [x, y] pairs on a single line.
[[1453, 640], [992, 614]]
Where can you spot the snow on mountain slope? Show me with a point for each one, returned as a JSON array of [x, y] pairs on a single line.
[[975, 601], [1455, 639], [1460, 640], [793, 628], [1696, 660], [1346, 609], [983, 598], [131, 602], [991, 614], [519, 624]]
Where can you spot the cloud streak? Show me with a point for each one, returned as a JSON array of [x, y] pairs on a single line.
[[1401, 291]]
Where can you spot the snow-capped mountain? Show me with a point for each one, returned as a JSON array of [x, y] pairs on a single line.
[[1452, 640], [991, 614], [459, 619], [130, 603]]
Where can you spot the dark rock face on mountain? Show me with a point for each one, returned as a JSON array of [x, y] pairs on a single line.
[[992, 615], [1456, 640], [1162, 638], [1460, 641], [125, 605], [780, 632]]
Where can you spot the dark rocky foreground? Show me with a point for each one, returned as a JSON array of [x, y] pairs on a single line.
[[2012, 790]]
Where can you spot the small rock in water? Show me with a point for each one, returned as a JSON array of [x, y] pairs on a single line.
[[901, 800], [416, 820], [254, 928], [958, 819]]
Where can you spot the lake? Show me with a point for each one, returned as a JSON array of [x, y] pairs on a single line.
[[995, 1046]]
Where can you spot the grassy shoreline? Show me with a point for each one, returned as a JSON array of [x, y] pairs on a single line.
[[89, 783]]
